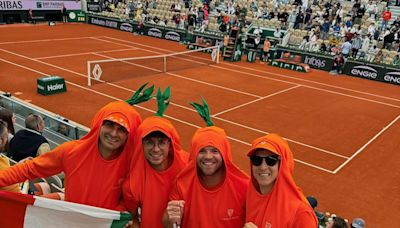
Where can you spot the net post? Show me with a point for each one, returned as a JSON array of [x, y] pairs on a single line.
[[88, 67], [165, 64], [218, 47]]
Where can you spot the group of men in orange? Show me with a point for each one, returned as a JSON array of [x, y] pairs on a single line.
[[125, 164]]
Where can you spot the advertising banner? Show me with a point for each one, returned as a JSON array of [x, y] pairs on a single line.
[[39, 5], [157, 32], [111, 23], [372, 72], [93, 7], [76, 16]]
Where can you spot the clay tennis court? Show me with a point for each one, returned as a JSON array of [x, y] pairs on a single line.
[[344, 132]]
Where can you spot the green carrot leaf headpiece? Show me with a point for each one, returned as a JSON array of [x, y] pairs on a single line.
[[203, 111], [162, 100], [139, 96]]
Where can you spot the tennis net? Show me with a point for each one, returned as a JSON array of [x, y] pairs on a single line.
[[119, 69]]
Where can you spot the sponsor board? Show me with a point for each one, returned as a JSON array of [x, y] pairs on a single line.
[[392, 77], [51, 85], [155, 32], [290, 66], [76, 16], [171, 35], [364, 72], [93, 6], [39, 5], [126, 27], [103, 22], [315, 62]]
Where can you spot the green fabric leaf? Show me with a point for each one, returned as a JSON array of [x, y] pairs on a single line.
[[203, 111], [139, 97], [163, 99]]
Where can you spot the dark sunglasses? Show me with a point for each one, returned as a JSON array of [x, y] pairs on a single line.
[[271, 160]]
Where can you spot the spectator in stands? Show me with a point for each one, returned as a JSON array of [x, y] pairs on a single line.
[[323, 48], [396, 23], [4, 161], [9, 117], [292, 19], [325, 29], [388, 39], [29, 142], [371, 9], [357, 223], [346, 47], [160, 158], [359, 14], [336, 222], [273, 198], [378, 57], [320, 216], [63, 129], [372, 52], [364, 47], [338, 63], [299, 20], [356, 45], [211, 190], [339, 15], [396, 60], [387, 15], [94, 166]]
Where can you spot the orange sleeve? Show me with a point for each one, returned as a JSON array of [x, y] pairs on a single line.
[[43, 166], [130, 201], [304, 219]]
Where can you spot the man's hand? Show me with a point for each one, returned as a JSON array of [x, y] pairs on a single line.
[[250, 225], [175, 211]]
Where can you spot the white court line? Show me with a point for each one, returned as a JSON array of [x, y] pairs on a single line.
[[48, 40], [106, 95], [319, 83], [270, 73], [84, 53], [259, 99], [366, 144], [149, 110], [310, 87], [290, 140]]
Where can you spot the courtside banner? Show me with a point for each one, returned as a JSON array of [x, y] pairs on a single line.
[[26, 211], [39, 5]]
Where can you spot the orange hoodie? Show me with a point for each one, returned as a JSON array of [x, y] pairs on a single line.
[[223, 206], [285, 205], [147, 188], [89, 179]]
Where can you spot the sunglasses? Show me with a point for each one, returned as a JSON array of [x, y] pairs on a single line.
[[271, 160]]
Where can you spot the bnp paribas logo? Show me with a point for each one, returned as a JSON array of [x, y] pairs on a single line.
[[39, 5]]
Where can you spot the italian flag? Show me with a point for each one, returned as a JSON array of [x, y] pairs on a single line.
[[21, 210]]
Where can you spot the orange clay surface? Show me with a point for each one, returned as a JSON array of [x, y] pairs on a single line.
[[344, 131]]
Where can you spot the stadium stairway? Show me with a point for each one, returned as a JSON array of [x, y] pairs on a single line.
[[395, 12]]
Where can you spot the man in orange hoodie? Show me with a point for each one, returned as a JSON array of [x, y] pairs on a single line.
[[160, 158], [273, 198], [211, 190], [96, 165]]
